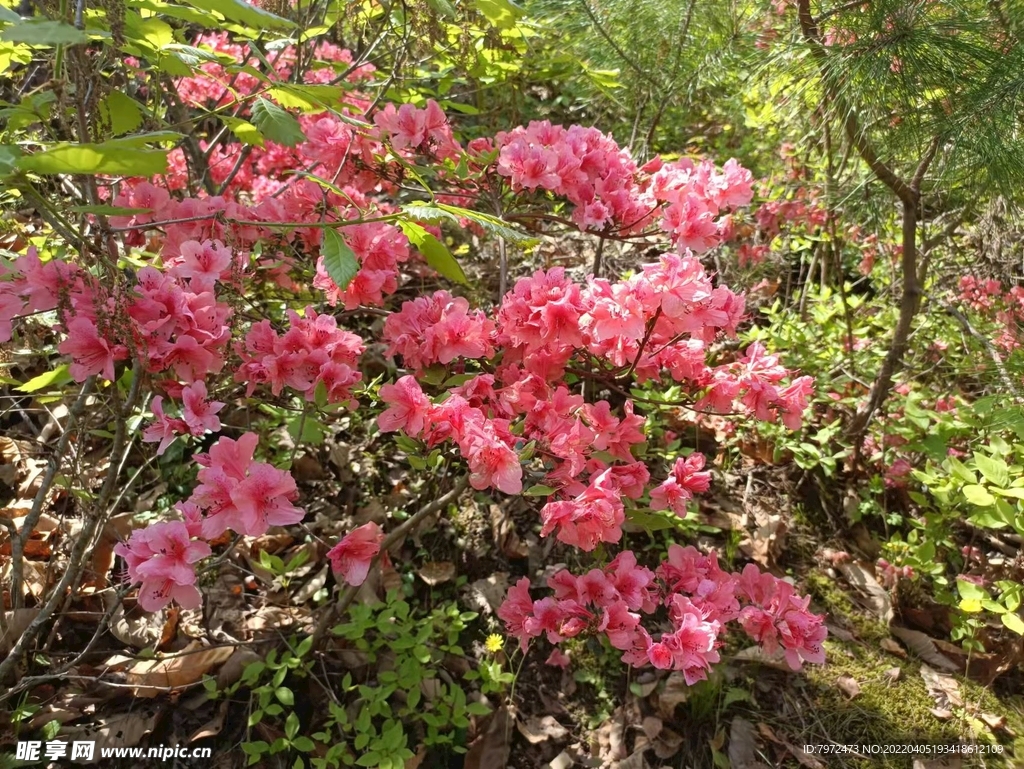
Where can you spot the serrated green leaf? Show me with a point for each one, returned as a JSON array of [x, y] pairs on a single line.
[[121, 112], [58, 377], [243, 130], [430, 212], [276, 124], [308, 98], [248, 15], [434, 251], [339, 260], [43, 32], [89, 159]]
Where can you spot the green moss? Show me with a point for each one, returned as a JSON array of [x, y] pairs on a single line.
[[828, 592]]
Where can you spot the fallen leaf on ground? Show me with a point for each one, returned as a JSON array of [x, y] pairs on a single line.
[[890, 646], [16, 622], [635, 761], [938, 763], [154, 677], [924, 647], [122, 730], [876, 596], [676, 692], [652, 727], [491, 748], [537, 730], [212, 727], [743, 745], [436, 572], [776, 660], [849, 686], [562, 761], [667, 744], [487, 595], [943, 688], [893, 674]]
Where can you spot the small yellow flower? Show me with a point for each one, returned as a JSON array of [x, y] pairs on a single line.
[[494, 643]]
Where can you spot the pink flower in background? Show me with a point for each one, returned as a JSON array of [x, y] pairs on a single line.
[[352, 556]]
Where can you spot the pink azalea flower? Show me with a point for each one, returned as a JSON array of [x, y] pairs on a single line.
[[90, 353], [409, 407], [352, 556], [198, 413], [164, 429], [162, 558]]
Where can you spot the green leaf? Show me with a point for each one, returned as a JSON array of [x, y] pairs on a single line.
[[291, 725], [970, 591], [243, 130], [304, 744], [308, 98], [539, 491], [7, 15], [652, 521], [339, 260], [121, 112], [995, 470], [501, 13], [285, 696], [978, 495], [1013, 622], [442, 8], [276, 124], [491, 224], [59, 376], [103, 210], [239, 11], [106, 158], [44, 32], [434, 251], [9, 156]]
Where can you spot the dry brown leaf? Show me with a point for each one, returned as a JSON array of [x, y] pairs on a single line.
[[436, 572], [419, 758], [676, 692], [757, 654], [611, 738], [212, 727], [487, 595], [667, 744], [943, 688], [503, 529], [938, 763], [652, 727], [491, 749], [137, 628], [231, 671], [889, 645], [562, 761], [121, 730], [537, 730], [941, 713], [766, 542], [154, 677], [16, 622], [743, 745], [994, 722], [635, 761], [892, 675], [924, 647], [848, 685], [863, 578]]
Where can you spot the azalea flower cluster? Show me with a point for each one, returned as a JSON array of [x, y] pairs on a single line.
[[1006, 307], [312, 352], [700, 599], [234, 492], [608, 190], [660, 319]]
